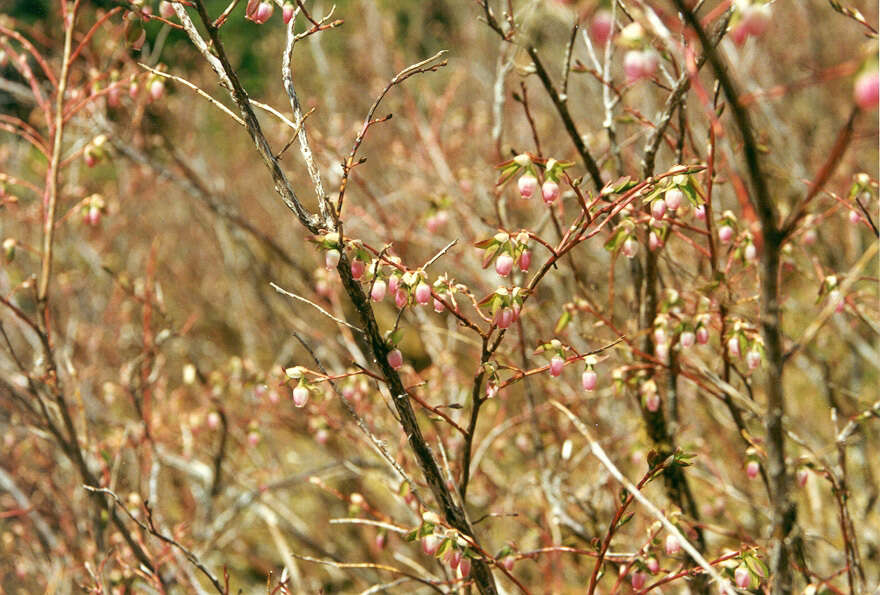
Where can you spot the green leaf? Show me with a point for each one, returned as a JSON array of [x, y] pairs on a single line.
[[444, 547], [562, 322], [624, 520]]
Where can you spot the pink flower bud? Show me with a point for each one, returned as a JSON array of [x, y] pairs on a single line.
[[867, 90], [395, 359], [650, 62], [630, 248], [633, 65], [157, 88], [687, 339], [750, 252], [854, 217], [809, 237], [674, 198], [213, 420], [438, 306], [400, 298], [491, 390], [654, 242], [113, 96], [90, 157], [287, 12], [725, 234], [742, 577], [702, 335], [733, 346], [423, 293], [253, 438], [700, 212], [300, 396], [331, 259], [393, 283], [600, 27], [658, 208], [556, 364], [504, 317], [381, 540], [653, 565], [527, 185], [589, 379], [638, 580], [802, 476], [753, 359], [431, 543], [357, 269], [739, 34], [508, 562], [525, 260], [756, 19], [166, 9], [504, 264], [673, 546], [464, 567], [550, 191], [753, 468], [133, 89], [659, 335], [321, 436], [93, 216], [662, 352], [263, 13], [436, 221], [652, 402], [453, 558], [377, 294]]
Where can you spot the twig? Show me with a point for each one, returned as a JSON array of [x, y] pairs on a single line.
[[316, 306]]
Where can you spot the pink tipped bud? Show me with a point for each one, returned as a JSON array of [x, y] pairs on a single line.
[[436, 221], [753, 468], [453, 558], [395, 359], [550, 191], [525, 260], [133, 89], [300, 396], [357, 269], [93, 216], [157, 89], [430, 544], [653, 565], [253, 438], [753, 359], [742, 577], [381, 540], [166, 9], [90, 157], [504, 264], [213, 420], [504, 317], [650, 62], [662, 352], [527, 185], [725, 234], [733, 346], [600, 27], [673, 545], [377, 294], [630, 248], [589, 379], [464, 567], [393, 283], [331, 259], [263, 13], [508, 563], [659, 335], [652, 402], [556, 364], [700, 212], [739, 34], [854, 217], [321, 436], [802, 476], [809, 237], [674, 198], [867, 90], [658, 208], [423, 293], [702, 335], [633, 65], [750, 252], [638, 580], [687, 339], [400, 298], [438, 306], [654, 241], [287, 12], [756, 19], [113, 96]]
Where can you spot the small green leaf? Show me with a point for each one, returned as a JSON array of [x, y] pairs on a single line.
[[562, 322]]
